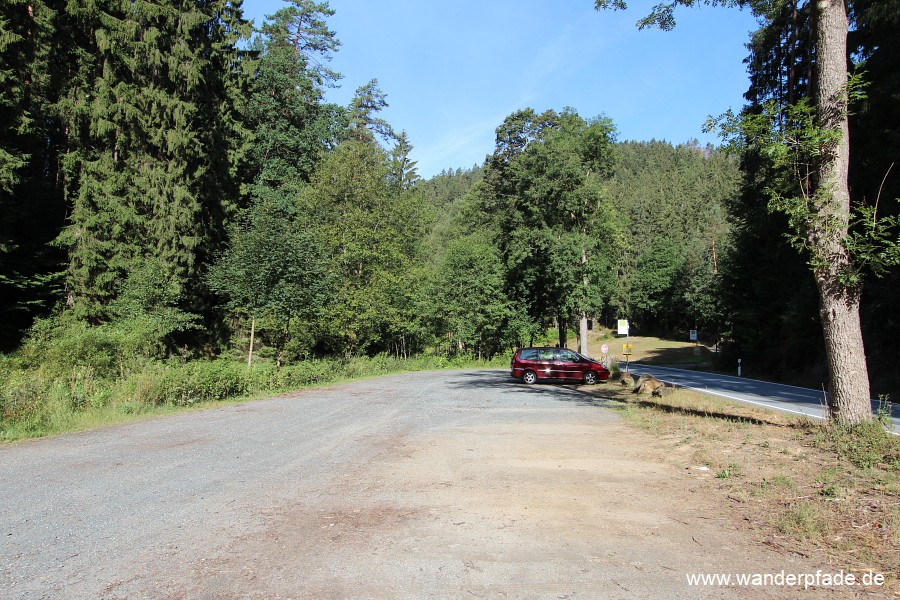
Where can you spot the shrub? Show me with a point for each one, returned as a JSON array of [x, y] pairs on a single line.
[[865, 445], [21, 394]]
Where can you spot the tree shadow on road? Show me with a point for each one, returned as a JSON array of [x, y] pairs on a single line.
[[501, 380], [699, 412]]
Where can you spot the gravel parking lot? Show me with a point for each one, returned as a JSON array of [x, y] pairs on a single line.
[[451, 484]]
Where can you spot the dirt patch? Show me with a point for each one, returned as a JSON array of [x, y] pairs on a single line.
[[784, 479], [588, 508]]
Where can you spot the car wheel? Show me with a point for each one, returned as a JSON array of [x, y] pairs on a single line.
[[590, 378], [529, 377]]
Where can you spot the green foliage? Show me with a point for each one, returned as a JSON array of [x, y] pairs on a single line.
[[148, 311], [674, 201], [272, 264], [292, 126], [866, 445], [64, 344], [792, 140], [14, 119], [470, 302], [371, 232], [656, 276], [403, 168], [30, 204], [784, 144], [150, 166], [554, 225], [662, 16], [274, 269], [362, 117]]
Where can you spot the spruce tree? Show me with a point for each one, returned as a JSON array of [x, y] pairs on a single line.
[[151, 148], [31, 209]]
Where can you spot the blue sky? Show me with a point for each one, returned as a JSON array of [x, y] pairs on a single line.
[[454, 69]]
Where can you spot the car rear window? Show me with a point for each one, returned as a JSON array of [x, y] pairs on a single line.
[[528, 354]]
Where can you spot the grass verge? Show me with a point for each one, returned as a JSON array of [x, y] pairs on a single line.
[[829, 493], [39, 402]]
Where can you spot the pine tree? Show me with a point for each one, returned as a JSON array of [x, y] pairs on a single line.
[[150, 149], [367, 102], [292, 125]]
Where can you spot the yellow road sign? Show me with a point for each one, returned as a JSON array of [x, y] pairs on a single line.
[[626, 349]]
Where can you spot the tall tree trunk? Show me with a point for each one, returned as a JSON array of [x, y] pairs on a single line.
[[252, 333], [563, 327], [583, 321], [848, 385], [583, 334]]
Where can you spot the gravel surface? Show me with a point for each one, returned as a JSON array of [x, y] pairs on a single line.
[[426, 485]]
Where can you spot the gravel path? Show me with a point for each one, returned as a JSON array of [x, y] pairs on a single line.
[[441, 484]]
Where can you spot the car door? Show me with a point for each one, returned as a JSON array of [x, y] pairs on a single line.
[[548, 367], [569, 365]]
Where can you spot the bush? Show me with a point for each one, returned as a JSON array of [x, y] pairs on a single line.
[[33, 402], [148, 387], [21, 395], [211, 381], [184, 385], [61, 345]]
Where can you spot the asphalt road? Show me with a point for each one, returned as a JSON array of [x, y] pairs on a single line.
[[452, 484], [784, 398]]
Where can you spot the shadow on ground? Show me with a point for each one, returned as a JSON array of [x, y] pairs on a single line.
[[697, 412], [501, 380]]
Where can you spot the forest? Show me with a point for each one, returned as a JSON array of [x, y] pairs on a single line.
[[184, 217]]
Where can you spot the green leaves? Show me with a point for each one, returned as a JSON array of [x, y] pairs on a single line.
[[151, 145], [471, 304], [371, 231], [662, 16], [543, 183], [291, 125], [273, 264], [795, 144]]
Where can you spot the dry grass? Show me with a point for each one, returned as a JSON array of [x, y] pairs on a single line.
[[792, 481], [649, 350]]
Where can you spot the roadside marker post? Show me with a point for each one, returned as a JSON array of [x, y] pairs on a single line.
[[626, 349]]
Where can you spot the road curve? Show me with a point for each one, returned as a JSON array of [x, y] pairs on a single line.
[[775, 396]]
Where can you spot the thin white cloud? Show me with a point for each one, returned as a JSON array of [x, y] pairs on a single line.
[[458, 148]]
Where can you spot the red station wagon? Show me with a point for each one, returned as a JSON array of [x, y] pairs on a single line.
[[531, 364]]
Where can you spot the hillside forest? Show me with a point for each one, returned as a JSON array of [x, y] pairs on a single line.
[[179, 203]]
